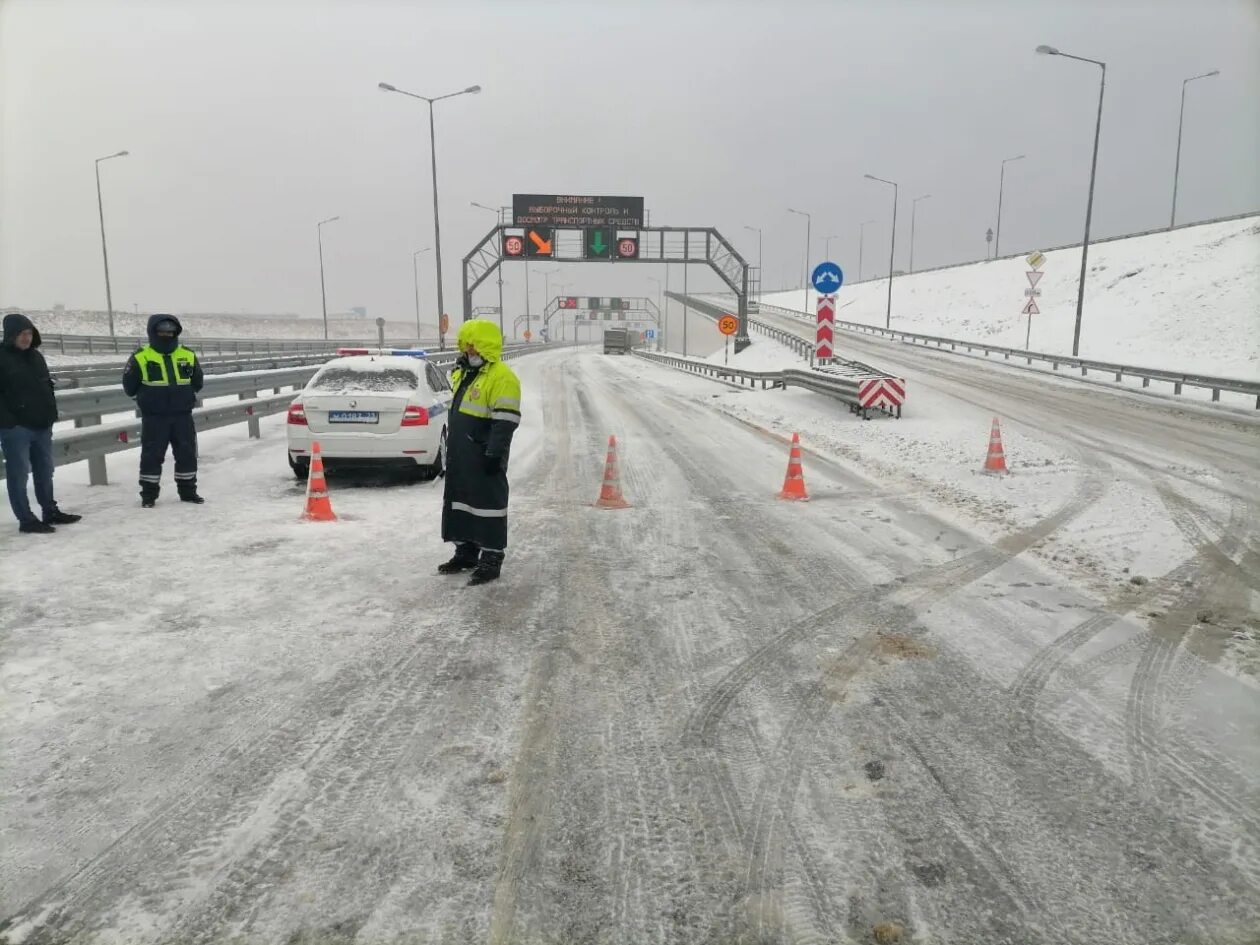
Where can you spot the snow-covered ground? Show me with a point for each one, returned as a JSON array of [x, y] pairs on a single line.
[[1188, 299], [927, 697]]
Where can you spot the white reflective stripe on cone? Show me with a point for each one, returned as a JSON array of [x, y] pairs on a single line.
[[480, 513]]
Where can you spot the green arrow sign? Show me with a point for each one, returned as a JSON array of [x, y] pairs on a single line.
[[599, 243]]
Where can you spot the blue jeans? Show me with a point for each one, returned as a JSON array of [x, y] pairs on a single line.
[[28, 451]]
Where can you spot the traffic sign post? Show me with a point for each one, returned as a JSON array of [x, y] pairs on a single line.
[[827, 279], [727, 325], [1032, 293], [824, 346]]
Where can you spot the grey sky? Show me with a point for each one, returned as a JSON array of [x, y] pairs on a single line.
[[249, 122]]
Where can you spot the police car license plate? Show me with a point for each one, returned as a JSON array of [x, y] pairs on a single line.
[[353, 416]]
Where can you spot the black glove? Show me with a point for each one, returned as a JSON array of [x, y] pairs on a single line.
[[493, 465]]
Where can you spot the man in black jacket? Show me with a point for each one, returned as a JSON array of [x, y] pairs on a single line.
[[28, 411], [165, 377]]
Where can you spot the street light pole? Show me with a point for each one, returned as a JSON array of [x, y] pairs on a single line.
[[415, 275], [659, 302], [809, 223], [1089, 205], [892, 247], [499, 269], [1172, 220], [997, 248], [914, 206], [761, 273], [862, 245], [323, 295], [100, 206], [437, 227]]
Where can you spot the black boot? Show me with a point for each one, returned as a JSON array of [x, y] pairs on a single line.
[[465, 559], [35, 527], [488, 568], [148, 494], [59, 517], [188, 492]]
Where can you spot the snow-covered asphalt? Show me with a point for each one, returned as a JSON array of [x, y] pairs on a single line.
[[888, 714]]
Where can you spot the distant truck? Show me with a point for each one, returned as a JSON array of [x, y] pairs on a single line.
[[618, 340]]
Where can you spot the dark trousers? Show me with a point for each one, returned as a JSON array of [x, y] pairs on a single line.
[[28, 451], [157, 432]]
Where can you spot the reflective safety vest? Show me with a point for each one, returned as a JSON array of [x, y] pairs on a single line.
[[152, 366], [494, 394]]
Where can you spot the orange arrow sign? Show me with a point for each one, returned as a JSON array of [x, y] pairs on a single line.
[[543, 246]]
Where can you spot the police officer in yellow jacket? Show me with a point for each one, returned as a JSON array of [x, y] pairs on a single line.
[[485, 413], [165, 377]]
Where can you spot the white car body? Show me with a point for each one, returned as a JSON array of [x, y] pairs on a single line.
[[372, 410]]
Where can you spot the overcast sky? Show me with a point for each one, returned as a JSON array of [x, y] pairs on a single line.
[[248, 122]]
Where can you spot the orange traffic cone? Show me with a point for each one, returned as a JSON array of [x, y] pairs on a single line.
[[794, 482], [610, 496], [318, 506], [995, 462]]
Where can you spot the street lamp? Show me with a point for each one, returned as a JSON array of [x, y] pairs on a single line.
[[1172, 220], [547, 274], [997, 249], [862, 245], [761, 275], [892, 247], [914, 205], [323, 296], [499, 270], [1089, 205], [660, 288], [827, 248], [809, 223], [100, 206], [415, 275], [437, 229]]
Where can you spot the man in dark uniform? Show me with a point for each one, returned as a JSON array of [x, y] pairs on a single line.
[[28, 411], [485, 413], [165, 377]]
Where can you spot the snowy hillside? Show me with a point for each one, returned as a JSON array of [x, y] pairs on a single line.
[[1188, 299]]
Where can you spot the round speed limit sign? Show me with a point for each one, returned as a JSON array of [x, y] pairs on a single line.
[[728, 324]]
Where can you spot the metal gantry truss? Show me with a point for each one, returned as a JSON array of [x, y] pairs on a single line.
[[657, 244]]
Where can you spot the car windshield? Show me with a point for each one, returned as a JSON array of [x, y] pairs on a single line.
[[342, 380]]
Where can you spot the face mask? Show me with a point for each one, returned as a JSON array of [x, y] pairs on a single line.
[[475, 360]]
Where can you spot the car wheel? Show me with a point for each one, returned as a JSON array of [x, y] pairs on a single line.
[[301, 468], [437, 469]]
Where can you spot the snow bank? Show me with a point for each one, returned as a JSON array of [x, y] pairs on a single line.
[[1188, 299]]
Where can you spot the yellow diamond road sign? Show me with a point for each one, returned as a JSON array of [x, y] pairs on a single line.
[[1036, 260]]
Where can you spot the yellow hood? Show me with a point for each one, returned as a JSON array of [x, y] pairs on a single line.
[[485, 336]]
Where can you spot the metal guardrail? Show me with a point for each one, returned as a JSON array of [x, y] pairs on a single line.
[[126, 343], [91, 375], [1178, 379], [840, 382], [93, 440]]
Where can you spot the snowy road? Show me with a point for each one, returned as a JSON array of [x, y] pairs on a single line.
[[712, 717]]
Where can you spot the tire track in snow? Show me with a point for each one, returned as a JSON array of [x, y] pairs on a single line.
[[776, 798], [1156, 769]]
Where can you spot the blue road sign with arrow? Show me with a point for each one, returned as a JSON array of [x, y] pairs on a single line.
[[827, 278]]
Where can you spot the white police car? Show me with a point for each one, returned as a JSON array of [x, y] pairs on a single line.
[[369, 409]]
